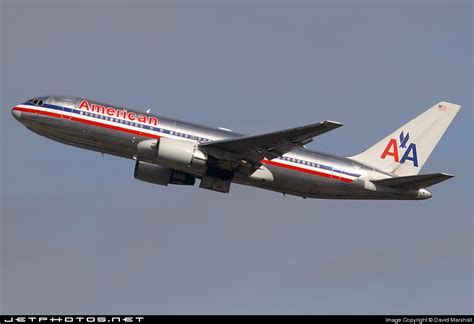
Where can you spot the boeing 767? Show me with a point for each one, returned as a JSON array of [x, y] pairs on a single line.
[[168, 151]]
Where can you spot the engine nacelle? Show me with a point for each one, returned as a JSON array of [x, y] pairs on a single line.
[[159, 175], [173, 152]]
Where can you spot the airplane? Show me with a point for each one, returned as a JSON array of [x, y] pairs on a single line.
[[168, 151]]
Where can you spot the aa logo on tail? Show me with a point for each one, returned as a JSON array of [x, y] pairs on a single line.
[[409, 153]]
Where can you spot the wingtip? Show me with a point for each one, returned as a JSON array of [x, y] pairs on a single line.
[[447, 175], [332, 122]]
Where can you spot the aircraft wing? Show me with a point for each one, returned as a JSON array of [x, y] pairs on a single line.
[[254, 148]]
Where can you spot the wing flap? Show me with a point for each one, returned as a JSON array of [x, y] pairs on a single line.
[[414, 182]]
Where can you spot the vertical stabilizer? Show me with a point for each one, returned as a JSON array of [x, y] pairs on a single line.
[[405, 151]]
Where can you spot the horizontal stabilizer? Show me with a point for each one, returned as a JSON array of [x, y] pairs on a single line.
[[413, 182]]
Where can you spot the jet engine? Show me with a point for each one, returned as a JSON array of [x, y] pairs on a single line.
[[160, 175], [171, 152]]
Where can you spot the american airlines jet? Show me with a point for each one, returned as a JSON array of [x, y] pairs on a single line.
[[168, 151]]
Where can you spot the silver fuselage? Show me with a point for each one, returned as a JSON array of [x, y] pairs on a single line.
[[301, 172]]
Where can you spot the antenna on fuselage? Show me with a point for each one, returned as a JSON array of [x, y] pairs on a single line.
[[148, 111]]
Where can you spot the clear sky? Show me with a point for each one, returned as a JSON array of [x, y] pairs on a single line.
[[80, 235]]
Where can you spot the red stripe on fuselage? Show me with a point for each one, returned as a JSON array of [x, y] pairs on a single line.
[[131, 131], [85, 121], [299, 169]]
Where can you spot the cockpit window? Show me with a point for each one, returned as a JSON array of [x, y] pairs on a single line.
[[36, 102]]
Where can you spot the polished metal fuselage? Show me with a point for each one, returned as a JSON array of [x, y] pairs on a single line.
[[301, 172]]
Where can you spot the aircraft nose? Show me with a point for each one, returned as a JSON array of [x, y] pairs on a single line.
[[16, 113]]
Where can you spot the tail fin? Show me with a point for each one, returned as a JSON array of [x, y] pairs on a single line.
[[405, 151]]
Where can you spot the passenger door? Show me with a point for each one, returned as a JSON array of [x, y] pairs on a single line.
[[336, 173], [67, 109]]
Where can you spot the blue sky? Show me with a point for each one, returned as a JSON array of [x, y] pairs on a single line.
[[80, 235]]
